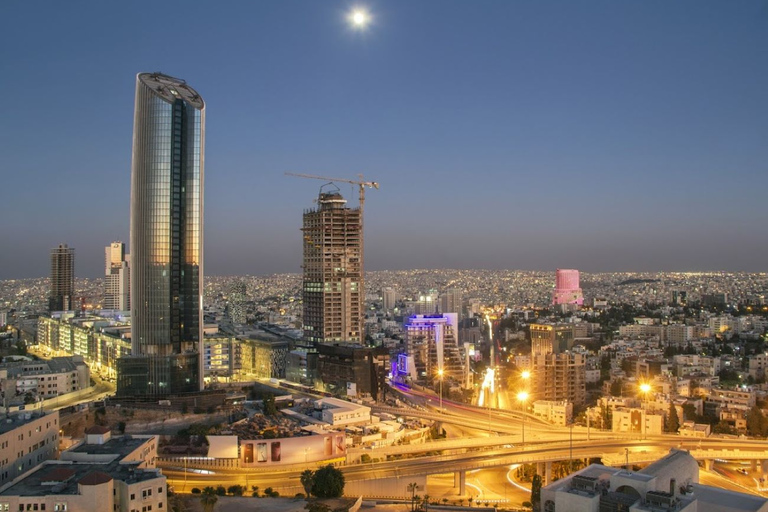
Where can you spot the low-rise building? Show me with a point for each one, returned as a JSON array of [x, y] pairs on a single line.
[[340, 412], [670, 483], [26, 440], [559, 413], [83, 487], [57, 376]]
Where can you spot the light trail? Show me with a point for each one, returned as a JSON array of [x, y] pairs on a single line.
[[514, 482]]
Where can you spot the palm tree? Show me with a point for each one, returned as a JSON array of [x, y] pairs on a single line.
[[209, 499], [307, 479], [412, 489], [426, 502]]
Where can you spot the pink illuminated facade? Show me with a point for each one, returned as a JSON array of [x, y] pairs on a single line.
[[567, 289]]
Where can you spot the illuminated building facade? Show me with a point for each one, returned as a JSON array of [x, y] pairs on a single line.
[[333, 284], [61, 297], [567, 289], [432, 343], [166, 240], [117, 278]]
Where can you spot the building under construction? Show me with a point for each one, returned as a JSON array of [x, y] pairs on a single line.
[[333, 287]]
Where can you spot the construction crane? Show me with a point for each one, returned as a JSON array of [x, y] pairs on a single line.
[[361, 183]]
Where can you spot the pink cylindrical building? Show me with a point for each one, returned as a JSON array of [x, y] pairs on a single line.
[[567, 289]]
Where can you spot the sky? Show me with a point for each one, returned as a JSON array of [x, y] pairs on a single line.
[[598, 135]]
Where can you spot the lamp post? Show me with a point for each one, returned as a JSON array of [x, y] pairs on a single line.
[[522, 397], [644, 389], [440, 374]]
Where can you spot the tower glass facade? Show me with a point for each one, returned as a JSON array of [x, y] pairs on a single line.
[[62, 278], [166, 239]]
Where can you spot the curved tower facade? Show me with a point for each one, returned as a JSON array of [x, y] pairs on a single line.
[[567, 290], [166, 239]]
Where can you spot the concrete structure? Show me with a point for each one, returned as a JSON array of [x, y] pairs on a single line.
[[100, 447], [333, 283], [669, 484], [292, 450], [84, 487], [61, 296], [26, 440], [559, 377], [58, 376], [166, 240], [567, 289], [558, 413], [117, 278], [639, 421], [337, 412]]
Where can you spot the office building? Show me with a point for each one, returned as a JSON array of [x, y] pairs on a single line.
[[61, 297], [333, 272], [567, 289], [551, 339], [117, 278], [166, 240], [432, 343]]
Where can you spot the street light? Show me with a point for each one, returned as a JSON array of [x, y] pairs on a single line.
[[644, 389], [522, 397], [440, 374]]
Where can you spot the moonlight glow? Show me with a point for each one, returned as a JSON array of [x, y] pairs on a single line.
[[359, 18]]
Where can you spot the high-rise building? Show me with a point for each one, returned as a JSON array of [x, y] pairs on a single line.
[[567, 289], [236, 299], [62, 293], [333, 272], [166, 240], [117, 278], [450, 301], [388, 299], [559, 377]]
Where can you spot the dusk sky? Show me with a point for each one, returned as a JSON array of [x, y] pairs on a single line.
[[603, 136]]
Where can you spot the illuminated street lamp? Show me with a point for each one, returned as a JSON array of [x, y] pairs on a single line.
[[645, 388], [440, 374], [522, 397]]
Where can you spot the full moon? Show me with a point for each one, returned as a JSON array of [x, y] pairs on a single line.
[[359, 18]]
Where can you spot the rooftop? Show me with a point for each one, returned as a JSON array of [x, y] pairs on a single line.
[[56, 477], [120, 446], [170, 89], [14, 421]]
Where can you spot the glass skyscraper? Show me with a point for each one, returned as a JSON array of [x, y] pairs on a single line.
[[166, 240]]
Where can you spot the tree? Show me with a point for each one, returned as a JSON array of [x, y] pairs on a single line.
[[255, 491], [328, 482], [536, 492], [209, 498], [412, 489], [220, 490], [756, 423], [307, 479], [673, 421], [317, 506], [236, 490]]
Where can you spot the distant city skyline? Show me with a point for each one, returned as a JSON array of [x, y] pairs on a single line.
[[600, 136]]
